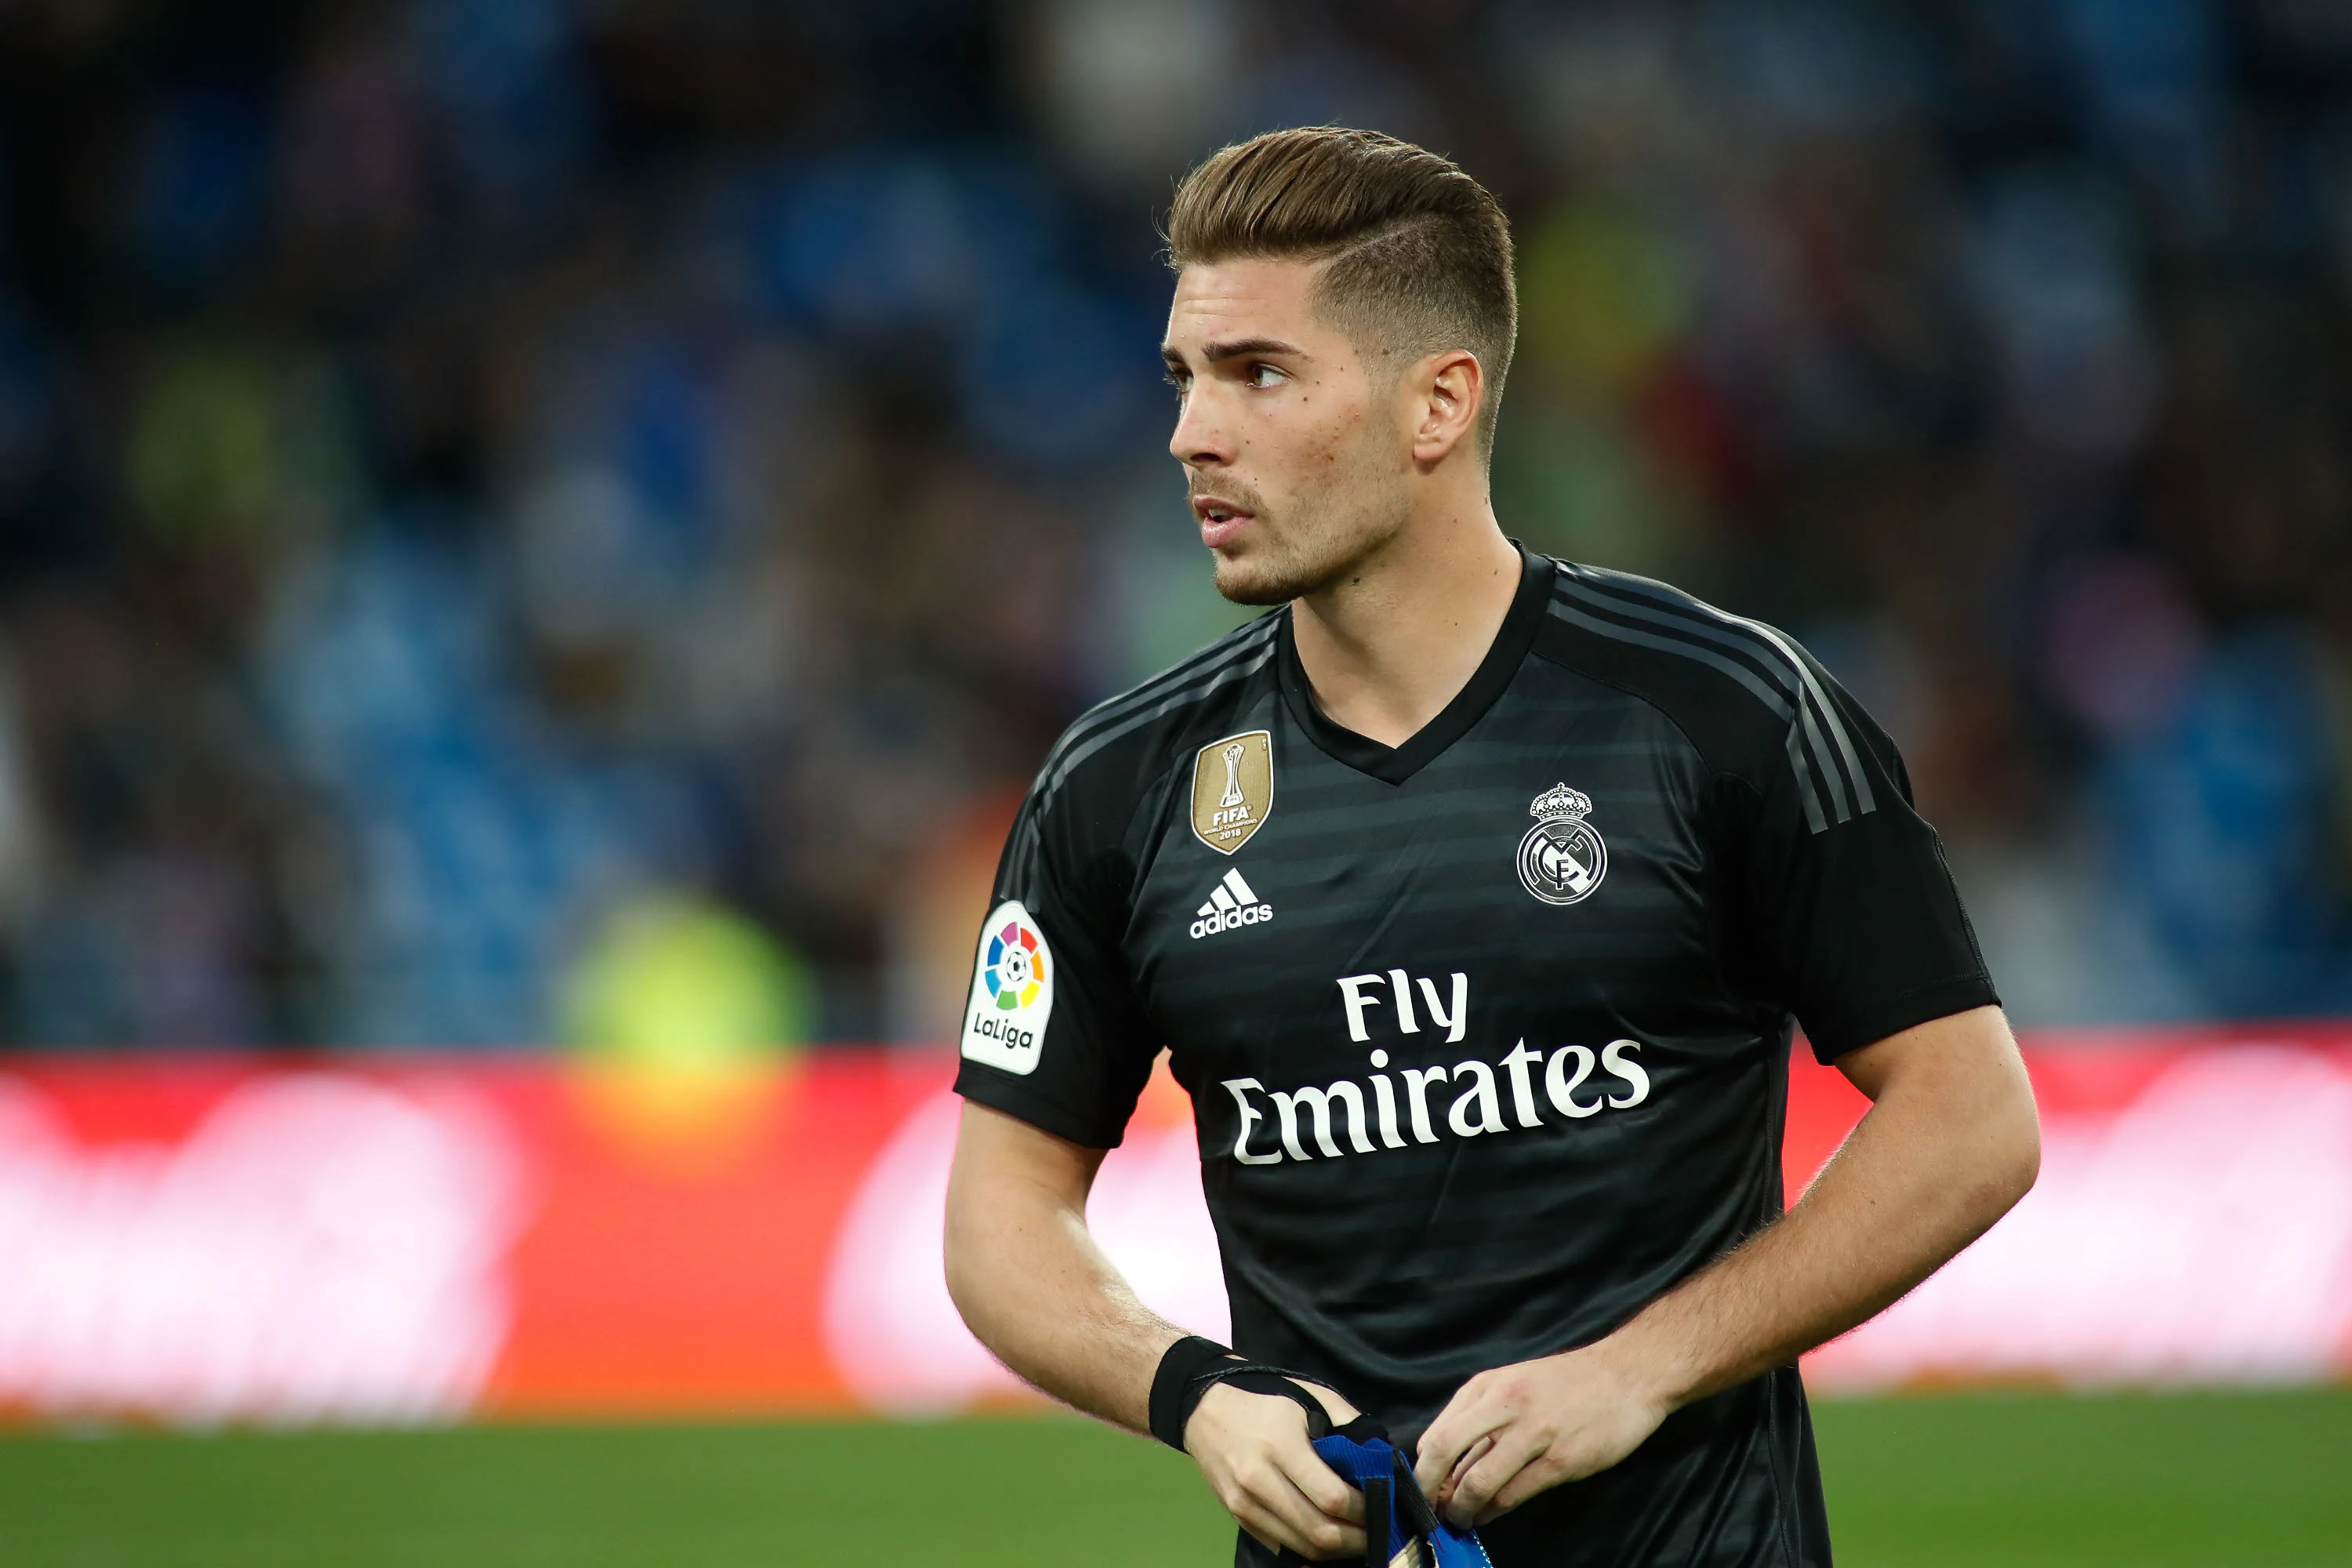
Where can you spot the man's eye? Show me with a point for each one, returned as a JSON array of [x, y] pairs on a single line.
[[1180, 385], [1263, 375]]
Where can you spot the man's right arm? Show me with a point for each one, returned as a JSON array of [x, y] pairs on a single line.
[[1034, 1289], [1029, 1279]]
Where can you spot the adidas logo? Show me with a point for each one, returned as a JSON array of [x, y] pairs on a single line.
[[1230, 904]]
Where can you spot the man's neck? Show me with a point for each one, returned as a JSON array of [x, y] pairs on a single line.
[[1390, 644]]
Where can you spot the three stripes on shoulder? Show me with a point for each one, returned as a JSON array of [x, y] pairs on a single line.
[[1831, 783]]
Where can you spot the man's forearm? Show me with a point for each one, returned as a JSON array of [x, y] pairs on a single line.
[[1031, 1282], [1035, 1290], [1950, 1142], [1948, 1146]]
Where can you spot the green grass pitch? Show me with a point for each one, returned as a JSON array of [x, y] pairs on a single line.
[[2016, 1481]]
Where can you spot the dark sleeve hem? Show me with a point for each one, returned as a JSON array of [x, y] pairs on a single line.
[[1000, 1093], [1868, 1025]]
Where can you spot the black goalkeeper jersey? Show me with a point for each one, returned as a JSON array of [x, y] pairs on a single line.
[[1487, 1034]]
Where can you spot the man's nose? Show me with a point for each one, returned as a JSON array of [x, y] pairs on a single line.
[[1198, 439]]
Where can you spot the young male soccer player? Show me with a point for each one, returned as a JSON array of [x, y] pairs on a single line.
[[1474, 895]]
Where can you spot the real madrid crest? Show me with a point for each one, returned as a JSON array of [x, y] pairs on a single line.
[[1232, 789], [1562, 860]]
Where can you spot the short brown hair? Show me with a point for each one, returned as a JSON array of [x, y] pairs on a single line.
[[1420, 253]]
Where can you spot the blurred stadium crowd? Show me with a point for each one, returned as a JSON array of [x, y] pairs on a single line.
[[517, 514]]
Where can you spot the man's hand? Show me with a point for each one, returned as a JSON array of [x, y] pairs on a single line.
[[1950, 1143], [1253, 1448], [1518, 1430]]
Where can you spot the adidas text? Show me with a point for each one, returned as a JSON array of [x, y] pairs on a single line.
[[1216, 921], [1230, 904]]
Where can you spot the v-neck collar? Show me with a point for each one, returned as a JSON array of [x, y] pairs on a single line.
[[1395, 764]]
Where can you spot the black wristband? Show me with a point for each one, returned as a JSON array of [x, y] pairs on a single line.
[[1175, 1393], [1192, 1366]]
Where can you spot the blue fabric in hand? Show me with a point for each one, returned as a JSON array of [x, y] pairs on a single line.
[[1396, 1514]]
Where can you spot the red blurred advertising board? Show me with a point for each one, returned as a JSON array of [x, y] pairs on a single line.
[[204, 1240]]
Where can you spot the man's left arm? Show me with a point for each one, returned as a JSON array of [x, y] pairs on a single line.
[[1952, 1141]]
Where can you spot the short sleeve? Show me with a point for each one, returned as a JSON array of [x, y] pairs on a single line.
[[1051, 1031], [1862, 931]]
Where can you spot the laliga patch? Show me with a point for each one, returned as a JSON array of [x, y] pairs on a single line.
[[1011, 991], [1232, 789]]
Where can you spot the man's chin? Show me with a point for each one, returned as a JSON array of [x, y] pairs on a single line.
[[1247, 588], [1247, 580]]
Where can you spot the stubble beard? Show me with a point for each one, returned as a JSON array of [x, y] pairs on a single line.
[[1317, 543]]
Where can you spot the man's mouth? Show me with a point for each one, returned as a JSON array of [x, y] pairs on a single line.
[[1220, 519]]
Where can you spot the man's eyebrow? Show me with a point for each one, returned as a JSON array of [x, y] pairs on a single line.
[[1214, 353]]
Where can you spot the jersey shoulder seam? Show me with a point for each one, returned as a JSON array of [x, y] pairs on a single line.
[[1188, 683], [1817, 741], [1714, 770], [1231, 659]]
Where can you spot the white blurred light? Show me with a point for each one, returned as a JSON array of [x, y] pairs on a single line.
[[2202, 1234], [1132, 92], [319, 1249], [894, 1334]]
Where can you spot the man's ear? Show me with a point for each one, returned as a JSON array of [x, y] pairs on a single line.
[[1446, 392]]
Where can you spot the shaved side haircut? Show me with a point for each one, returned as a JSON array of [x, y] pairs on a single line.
[[1418, 253]]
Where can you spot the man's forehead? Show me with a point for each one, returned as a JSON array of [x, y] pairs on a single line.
[[1254, 297]]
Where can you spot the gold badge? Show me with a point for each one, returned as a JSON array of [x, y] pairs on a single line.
[[1233, 790]]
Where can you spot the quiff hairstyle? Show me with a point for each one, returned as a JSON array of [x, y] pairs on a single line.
[[1418, 253]]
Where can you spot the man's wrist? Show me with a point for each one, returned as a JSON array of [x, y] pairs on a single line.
[[1176, 1388], [1647, 1365]]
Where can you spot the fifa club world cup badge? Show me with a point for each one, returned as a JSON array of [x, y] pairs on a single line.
[[1562, 860], [1232, 789]]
